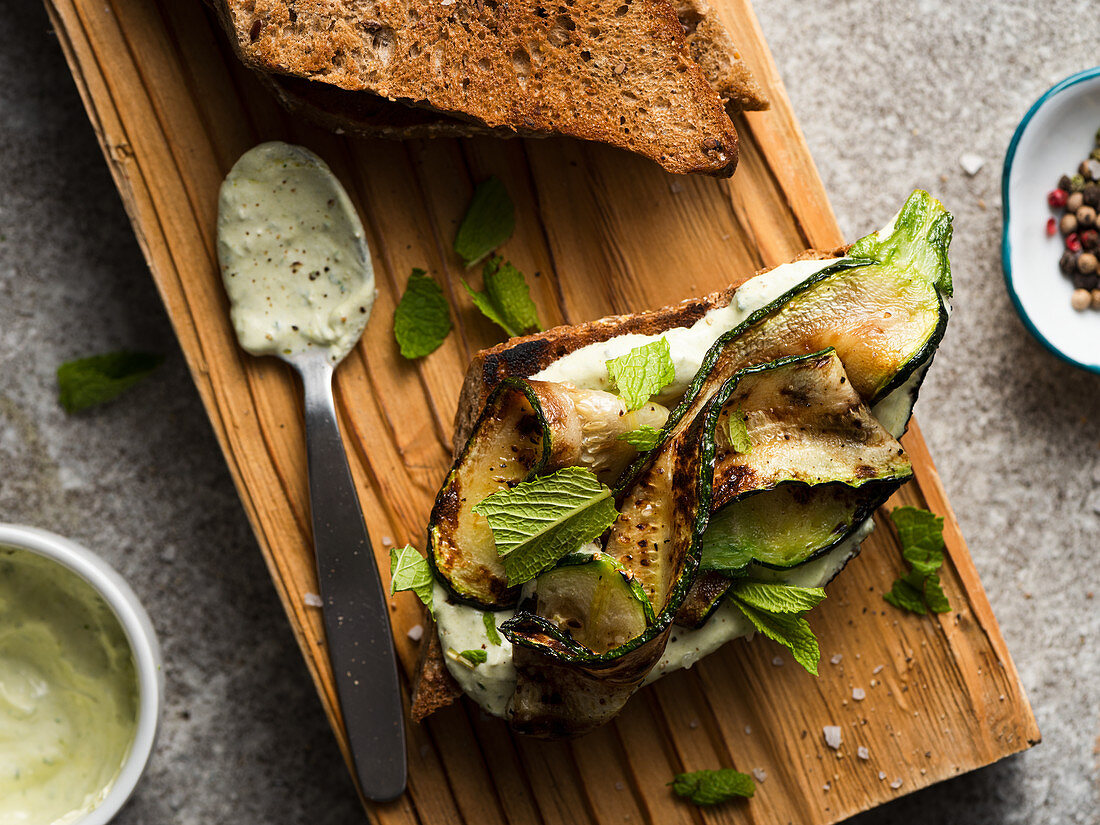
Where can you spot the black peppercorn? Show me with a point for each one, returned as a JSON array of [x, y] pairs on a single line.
[[1091, 195], [1068, 263]]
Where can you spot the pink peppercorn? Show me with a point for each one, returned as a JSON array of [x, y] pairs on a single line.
[[1073, 242], [1052, 227], [1057, 198]]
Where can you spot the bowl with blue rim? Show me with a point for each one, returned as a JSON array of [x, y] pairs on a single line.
[[1058, 131]]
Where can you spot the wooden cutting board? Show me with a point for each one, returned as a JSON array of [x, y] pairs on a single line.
[[598, 232]]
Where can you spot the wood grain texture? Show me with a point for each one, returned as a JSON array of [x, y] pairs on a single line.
[[601, 232]]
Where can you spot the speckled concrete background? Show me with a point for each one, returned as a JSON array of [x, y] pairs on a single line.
[[888, 99]]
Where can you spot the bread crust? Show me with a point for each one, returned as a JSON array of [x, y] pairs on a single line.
[[521, 358]]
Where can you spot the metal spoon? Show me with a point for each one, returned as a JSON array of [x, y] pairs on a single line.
[[299, 277]]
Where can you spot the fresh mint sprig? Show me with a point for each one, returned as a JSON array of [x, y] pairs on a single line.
[[712, 787], [642, 373], [777, 611], [643, 439], [537, 522], [422, 319], [410, 571], [921, 535], [506, 300], [89, 382], [490, 220]]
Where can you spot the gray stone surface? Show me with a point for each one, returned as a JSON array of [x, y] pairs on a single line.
[[888, 99]]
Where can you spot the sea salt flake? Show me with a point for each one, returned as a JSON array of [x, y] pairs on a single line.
[[748, 730], [836, 659], [387, 541], [759, 774], [832, 736], [859, 694], [897, 783], [619, 786], [312, 600], [971, 163], [863, 753], [778, 661], [878, 670], [826, 786], [416, 632], [881, 775]]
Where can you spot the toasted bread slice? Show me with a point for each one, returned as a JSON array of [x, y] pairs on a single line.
[[368, 115], [616, 71], [523, 357]]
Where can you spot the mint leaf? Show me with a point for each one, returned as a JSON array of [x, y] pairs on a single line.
[[712, 787], [918, 238], [474, 657], [907, 597], [642, 373], [537, 522], [410, 571], [489, 222], [88, 382], [788, 630], [934, 596], [506, 300], [774, 597], [491, 628], [921, 535], [740, 441], [644, 438], [422, 319]]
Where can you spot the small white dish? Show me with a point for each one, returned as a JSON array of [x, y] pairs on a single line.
[[143, 644], [1056, 134]]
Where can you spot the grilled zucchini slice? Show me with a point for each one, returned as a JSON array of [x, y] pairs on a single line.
[[818, 466], [565, 688], [882, 309], [526, 428], [595, 600]]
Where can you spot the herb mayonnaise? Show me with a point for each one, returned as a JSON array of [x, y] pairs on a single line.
[[68, 693], [293, 254]]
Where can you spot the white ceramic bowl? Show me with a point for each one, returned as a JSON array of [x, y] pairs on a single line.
[[143, 643], [1056, 134]]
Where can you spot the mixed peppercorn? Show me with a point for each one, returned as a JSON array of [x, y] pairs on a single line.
[[1076, 203]]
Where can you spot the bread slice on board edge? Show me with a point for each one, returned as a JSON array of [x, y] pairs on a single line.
[[616, 71], [367, 115], [433, 685]]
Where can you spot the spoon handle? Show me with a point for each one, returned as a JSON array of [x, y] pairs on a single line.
[[356, 618]]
